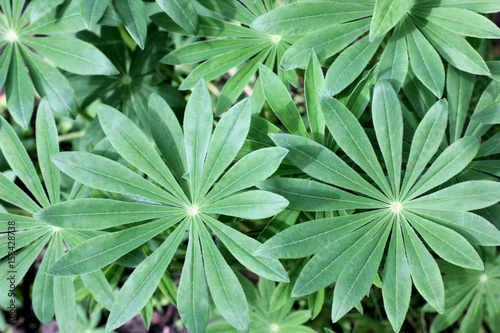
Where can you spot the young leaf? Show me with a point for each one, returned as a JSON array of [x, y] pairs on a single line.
[[64, 294], [93, 10], [386, 14], [182, 12], [134, 18], [313, 80], [459, 87], [43, 287], [393, 64]]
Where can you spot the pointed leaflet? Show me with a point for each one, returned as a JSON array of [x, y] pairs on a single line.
[[102, 173], [386, 14], [131, 143], [226, 141], [459, 87], [321, 163], [357, 277], [453, 48], [182, 12], [198, 123], [448, 244], [308, 195], [11, 193], [230, 9], [43, 287], [388, 124], [193, 301], [396, 279], [470, 195], [480, 6], [50, 83], [73, 55], [242, 246], [96, 214], [65, 18], [425, 143], [249, 170], [5, 63], [307, 238], [20, 162], [99, 287], [225, 289], [448, 164], [313, 80], [41, 7], [280, 101], [424, 60], [142, 283], [19, 90], [393, 64], [92, 11], [353, 140], [134, 18], [350, 64], [47, 145], [248, 205]]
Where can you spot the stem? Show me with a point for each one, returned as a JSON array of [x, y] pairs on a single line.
[[84, 114], [70, 136]]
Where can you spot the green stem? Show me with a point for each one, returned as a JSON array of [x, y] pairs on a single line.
[[70, 136]]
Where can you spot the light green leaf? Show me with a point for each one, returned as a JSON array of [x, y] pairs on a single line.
[[193, 303], [142, 283], [452, 313], [226, 141], [424, 270], [242, 246], [5, 63], [73, 55], [248, 205], [470, 195], [488, 115], [43, 287], [319, 162], [280, 101], [473, 317], [41, 7], [386, 14], [11, 193], [350, 136], [131, 143], [20, 162], [393, 65], [134, 18], [481, 6], [107, 175], [313, 81], [349, 65], [64, 294], [99, 287], [47, 145], [425, 143], [388, 124], [92, 11], [225, 289], [459, 87], [66, 19], [182, 12]]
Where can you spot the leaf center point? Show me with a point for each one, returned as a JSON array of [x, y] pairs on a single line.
[[192, 210], [483, 278], [274, 328], [11, 36], [396, 207]]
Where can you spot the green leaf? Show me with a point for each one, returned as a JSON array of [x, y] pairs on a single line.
[[460, 21], [73, 55], [248, 205], [313, 196], [46, 146], [142, 283], [248, 171], [193, 303], [43, 287], [50, 83], [5, 58], [107, 175], [302, 18], [230, 9], [452, 313], [424, 270], [64, 294], [473, 317], [313, 80], [134, 18], [319, 162], [396, 286], [99, 287], [182, 12], [198, 123], [131, 143], [424, 60], [41, 7], [481, 6], [19, 91], [221, 64], [357, 278], [307, 238], [225, 289], [350, 64], [92, 11], [388, 124], [351, 137], [451, 161], [448, 244], [488, 115], [66, 19], [393, 65], [280, 101], [453, 48], [325, 42], [386, 14], [459, 87], [11, 193], [226, 141], [470, 195], [20, 162], [242, 246], [96, 214], [425, 143]]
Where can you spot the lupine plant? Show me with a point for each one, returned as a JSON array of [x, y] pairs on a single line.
[[290, 166]]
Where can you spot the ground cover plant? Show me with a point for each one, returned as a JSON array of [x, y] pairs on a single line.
[[249, 166]]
